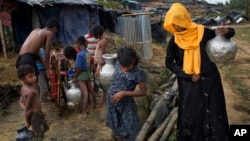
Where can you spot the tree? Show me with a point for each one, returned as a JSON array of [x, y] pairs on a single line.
[[236, 4], [248, 8]]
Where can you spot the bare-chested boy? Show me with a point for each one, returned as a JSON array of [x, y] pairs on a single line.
[[31, 103], [38, 38]]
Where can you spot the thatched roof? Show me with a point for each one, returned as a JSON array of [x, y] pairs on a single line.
[[51, 2]]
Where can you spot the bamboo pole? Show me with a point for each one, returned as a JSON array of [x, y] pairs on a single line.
[[169, 127], [169, 83], [172, 77], [158, 133], [174, 88], [61, 90], [164, 86], [2, 40], [150, 120], [159, 92], [174, 101]]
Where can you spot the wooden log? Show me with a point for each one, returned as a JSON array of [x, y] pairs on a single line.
[[164, 86], [2, 40], [170, 82], [169, 127], [172, 77], [174, 88], [158, 132], [174, 101], [150, 120], [159, 92]]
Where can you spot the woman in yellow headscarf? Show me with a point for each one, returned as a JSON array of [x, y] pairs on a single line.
[[202, 111]]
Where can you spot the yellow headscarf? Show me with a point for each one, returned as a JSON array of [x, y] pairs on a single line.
[[189, 40]]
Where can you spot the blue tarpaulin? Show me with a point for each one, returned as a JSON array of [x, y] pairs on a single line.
[[21, 24], [74, 21]]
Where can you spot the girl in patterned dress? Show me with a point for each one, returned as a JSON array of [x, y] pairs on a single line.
[[122, 115]]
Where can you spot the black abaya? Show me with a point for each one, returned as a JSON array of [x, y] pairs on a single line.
[[202, 112]]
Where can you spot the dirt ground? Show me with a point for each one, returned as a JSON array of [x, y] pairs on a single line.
[[233, 99], [67, 127]]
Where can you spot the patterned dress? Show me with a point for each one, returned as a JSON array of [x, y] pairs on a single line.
[[122, 117]]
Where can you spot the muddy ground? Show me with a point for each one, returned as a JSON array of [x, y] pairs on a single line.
[[65, 126]]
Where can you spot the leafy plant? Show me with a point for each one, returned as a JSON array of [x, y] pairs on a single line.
[[236, 4], [110, 4]]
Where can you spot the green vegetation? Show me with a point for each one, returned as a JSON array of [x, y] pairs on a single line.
[[236, 4], [172, 136], [109, 4]]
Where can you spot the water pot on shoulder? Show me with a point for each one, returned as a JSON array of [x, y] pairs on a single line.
[[73, 94], [221, 49], [106, 73]]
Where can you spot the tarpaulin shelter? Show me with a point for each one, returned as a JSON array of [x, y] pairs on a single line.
[[74, 16]]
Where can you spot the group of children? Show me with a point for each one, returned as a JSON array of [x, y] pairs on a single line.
[[86, 62], [122, 116], [85, 65]]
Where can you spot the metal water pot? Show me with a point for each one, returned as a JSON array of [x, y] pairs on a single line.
[[221, 49], [24, 134], [106, 73], [73, 94]]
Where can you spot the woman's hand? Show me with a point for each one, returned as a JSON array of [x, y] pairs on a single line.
[[222, 30], [196, 77], [117, 97]]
